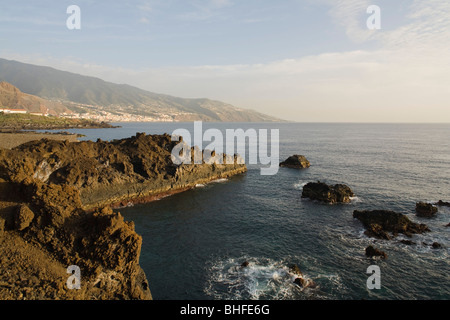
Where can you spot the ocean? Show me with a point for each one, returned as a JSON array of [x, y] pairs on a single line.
[[195, 242]]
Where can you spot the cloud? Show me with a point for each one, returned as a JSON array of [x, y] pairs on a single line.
[[406, 78]]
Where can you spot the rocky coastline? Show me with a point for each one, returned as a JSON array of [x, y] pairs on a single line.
[[57, 199]]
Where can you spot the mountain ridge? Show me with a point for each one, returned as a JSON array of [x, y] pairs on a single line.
[[77, 91]]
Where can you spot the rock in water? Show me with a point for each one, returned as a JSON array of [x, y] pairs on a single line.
[[443, 203], [425, 209], [295, 270], [380, 223], [296, 161], [436, 245], [373, 252], [320, 191]]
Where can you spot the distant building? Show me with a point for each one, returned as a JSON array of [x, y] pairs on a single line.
[[22, 111]]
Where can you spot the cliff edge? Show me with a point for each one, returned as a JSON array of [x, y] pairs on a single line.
[[56, 205]]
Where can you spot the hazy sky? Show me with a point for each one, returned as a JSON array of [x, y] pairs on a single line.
[[302, 60]]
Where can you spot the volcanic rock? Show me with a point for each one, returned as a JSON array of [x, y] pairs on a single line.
[[23, 217], [443, 203], [384, 224], [300, 282], [296, 161], [63, 193], [373, 252], [295, 270], [436, 245], [425, 209], [407, 242], [320, 191]]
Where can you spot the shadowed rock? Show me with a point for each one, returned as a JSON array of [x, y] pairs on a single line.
[[373, 252], [443, 203], [320, 191], [384, 224], [425, 209]]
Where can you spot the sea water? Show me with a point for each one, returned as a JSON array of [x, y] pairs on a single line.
[[195, 242]]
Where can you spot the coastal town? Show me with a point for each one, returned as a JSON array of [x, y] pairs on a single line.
[[95, 113]]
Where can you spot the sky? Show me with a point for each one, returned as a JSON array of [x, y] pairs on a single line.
[[299, 60]]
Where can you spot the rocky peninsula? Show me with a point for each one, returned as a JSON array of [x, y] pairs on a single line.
[[56, 205]]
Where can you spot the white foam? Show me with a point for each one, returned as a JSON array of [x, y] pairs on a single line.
[[300, 185], [261, 279], [220, 180]]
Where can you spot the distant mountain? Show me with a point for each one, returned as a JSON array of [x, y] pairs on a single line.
[[63, 86], [12, 98]]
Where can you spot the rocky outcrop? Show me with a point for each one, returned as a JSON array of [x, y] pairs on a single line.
[[425, 209], [443, 203], [300, 280], [384, 224], [137, 169], [320, 191], [296, 162], [373, 252], [65, 193]]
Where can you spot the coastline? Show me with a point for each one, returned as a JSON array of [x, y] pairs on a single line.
[[57, 202]]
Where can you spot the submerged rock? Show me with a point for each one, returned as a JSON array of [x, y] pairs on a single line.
[[373, 252], [384, 224], [407, 242], [425, 209], [296, 161], [320, 191], [443, 203], [436, 245]]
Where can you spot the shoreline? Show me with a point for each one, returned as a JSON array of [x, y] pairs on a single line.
[[57, 201]]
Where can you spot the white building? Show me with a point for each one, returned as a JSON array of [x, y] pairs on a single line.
[[22, 111]]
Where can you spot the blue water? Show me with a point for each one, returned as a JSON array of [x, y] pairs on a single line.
[[194, 242]]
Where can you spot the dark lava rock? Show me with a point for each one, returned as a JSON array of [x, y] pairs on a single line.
[[436, 245], [325, 193], [300, 282], [448, 225], [407, 242], [296, 161], [373, 252], [443, 203], [425, 209], [379, 223], [245, 264]]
